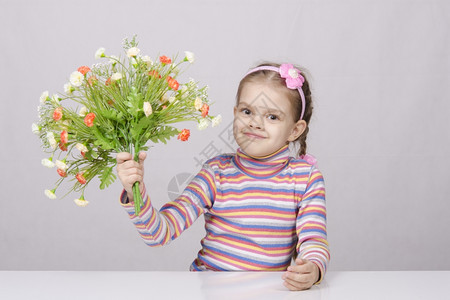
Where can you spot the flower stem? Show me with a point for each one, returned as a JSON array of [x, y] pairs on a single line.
[[137, 198], [136, 191]]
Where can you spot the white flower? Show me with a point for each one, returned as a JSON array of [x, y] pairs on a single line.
[[100, 53], [35, 128], [113, 59], [216, 120], [116, 76], [61, 165], [147, 109], [65, 124], [68, 88], [44, 97], [133, 51], [171, 99], [51, 140], [50, 194], [184, 88], [76, 78], [147, 60], [164, 98], [81, 147], [47, 162], [189, 56], [55, 99], [83, 111], [203, 124], [81, 202], [198, 103]]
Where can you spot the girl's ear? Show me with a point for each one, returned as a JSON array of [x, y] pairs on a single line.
[[297, 130]]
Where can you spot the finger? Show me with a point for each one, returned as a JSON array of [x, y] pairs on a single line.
[[296, 286], [142, 157], [122, 157], [298, 277], [302, 266]]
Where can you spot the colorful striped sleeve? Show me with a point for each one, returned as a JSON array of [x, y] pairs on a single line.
[[158, 228], [311, 223]]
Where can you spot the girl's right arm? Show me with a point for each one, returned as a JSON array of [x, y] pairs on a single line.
[[160, 227]]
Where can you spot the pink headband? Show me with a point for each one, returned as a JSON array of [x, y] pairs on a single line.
[[294, 80]]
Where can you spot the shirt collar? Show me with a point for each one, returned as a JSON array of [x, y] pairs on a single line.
[[262, 167]]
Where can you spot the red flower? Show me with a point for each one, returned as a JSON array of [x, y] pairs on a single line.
[[61, 172], [89, 119], [205, 110], [62, 146], [80, 178], [184, 135], [154, 73], [165, 60], [83, 154], [108, 81], [83, 69], [64, 137], [173, 84], [57, 114]]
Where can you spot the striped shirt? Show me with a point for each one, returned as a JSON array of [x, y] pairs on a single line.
[[259, 213]]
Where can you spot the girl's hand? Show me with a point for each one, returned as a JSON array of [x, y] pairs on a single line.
[[129, 171], [301, 276]]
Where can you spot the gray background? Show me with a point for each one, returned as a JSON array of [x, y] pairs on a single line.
[[380, 77]]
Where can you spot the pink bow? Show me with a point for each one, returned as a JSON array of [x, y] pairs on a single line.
[[294, 79]]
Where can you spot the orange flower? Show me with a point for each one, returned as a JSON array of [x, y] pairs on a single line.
[[80, 178], [108, 81], [64, 137], [165, 60], [184, 135], [83, 69], [62, 146], [57, 114], [89, 119], [173, 84], [205, 110], [92, 80], [154, 73], [61, 172]]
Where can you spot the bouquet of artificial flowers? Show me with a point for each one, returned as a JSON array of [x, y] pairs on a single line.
[[116, 106]]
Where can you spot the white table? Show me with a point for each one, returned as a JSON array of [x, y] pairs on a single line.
[[62, 285]]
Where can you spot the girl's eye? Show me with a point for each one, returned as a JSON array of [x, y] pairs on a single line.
[[246, 111], [272, 117]]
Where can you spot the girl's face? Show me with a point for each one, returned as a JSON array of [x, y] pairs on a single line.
[[264, 120]]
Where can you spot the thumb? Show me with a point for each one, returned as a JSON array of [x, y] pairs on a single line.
[[142, 157]]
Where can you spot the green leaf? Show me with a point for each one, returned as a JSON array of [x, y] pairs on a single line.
[[113, 115], [135, 101], [107, 177], [144, 123], [101, 140], [163, 134]]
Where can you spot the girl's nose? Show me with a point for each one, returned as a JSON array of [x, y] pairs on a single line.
[[256, 122]]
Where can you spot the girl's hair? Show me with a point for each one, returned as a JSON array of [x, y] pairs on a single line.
[[274, 78]]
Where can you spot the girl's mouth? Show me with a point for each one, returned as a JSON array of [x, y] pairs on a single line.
[[253, 135]]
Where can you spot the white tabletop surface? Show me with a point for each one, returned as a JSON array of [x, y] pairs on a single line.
[[63, 285]]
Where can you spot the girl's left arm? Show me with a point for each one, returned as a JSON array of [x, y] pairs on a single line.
[[311, 224]]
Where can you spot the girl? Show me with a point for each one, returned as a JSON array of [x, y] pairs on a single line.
[[262, 208]]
